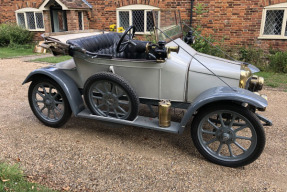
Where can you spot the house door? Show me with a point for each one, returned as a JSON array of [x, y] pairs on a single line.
[[59, 19]]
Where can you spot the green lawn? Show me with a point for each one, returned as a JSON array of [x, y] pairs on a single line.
[[53, 59], [276, 80], [6, 52], [12, 179]]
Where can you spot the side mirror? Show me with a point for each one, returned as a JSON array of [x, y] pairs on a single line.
[[189, 38]]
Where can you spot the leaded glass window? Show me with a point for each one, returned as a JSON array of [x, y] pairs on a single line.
[[30, 18], [81, 23], [39, 20], [273, 22], [138, 20], [140, 16], [124, 17], [21, 19]]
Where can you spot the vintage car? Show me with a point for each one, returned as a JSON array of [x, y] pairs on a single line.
[[111, 74]]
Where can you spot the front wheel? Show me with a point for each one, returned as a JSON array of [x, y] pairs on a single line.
[[49, 102], [228, 135]]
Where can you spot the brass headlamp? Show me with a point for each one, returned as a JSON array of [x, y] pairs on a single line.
[[172, 49], [245, 74], [256, 83]]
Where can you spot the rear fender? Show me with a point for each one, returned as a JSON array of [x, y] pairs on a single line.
[[67, 84], [222, 94]]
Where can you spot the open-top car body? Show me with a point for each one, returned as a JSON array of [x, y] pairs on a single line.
[[111, 74]]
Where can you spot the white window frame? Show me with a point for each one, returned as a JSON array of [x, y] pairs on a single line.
[[281, 6], [130, 8], [83, 26], [34, 10]]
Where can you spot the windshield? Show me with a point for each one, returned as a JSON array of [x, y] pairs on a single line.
[[169, 23]]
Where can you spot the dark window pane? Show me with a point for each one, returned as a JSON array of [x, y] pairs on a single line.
[[273, 22], [80, 16], [31, 20], [124, 19], [21, 19], [149, 21], [138, 20], [39, 20]]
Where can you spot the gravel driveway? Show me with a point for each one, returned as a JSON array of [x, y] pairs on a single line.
[[87, 155]]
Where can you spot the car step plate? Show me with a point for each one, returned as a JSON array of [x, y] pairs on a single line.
[[139, 121]]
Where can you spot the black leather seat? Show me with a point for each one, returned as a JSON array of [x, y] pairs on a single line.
[[104, 44]]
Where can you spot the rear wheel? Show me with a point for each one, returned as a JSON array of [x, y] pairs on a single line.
[[109, 95], [49, 102], [228, 135]]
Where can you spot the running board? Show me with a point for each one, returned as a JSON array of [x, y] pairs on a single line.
[[264, 119], [139, 121]]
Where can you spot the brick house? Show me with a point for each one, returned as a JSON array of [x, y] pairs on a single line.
[[259, 22], [240, 22]]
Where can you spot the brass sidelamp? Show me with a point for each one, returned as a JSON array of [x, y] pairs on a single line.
[[164, 113]]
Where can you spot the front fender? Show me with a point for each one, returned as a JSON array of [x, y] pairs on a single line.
[[222, 94], [67, 84]]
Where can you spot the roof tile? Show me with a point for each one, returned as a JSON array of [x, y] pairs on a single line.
[[75, 4]]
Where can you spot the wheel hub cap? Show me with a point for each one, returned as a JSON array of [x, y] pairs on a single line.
[[48, 102], [225, 137], [110, 99]]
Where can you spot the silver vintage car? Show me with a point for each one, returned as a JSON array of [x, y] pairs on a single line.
[[112, 75]]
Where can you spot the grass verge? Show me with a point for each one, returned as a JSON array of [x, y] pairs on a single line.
[[12, 179], [53, 59], [275, 80], [6, 52]]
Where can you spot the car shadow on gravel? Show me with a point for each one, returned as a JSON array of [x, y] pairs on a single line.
[[161, 142]]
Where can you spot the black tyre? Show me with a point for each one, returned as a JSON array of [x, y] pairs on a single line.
[[49, 102], [107, 94], [228, 135]]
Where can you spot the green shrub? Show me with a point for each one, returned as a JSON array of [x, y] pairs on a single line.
[[4, 35], [273, 50], [278, 62], [203, 46], [12, 34], [274, 61], [253, 56]]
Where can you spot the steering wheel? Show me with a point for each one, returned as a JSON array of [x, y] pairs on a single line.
[[129, 41]]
